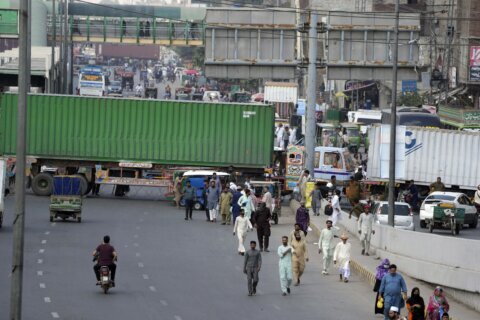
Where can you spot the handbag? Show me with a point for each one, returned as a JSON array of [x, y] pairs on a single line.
[[328, 210]]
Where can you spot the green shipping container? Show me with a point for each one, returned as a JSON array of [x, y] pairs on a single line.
[[160, 132]]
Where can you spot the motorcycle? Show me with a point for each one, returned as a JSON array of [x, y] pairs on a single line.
[[105, 278]]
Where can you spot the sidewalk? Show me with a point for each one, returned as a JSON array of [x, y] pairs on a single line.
[[365, 266]]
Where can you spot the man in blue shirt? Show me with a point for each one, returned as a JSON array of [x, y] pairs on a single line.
[[190, 196], [393, 289]]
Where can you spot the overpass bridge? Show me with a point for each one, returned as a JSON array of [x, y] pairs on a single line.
[[133, 24]]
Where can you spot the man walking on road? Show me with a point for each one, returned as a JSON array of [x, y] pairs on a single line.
[[242, 225], [302, 217], [316, 195], [285, 265], [235, 206], [213, 195], [225, 202], [342, 255], [261, 220], [245, 202], [267, 198], [251, 267], [393, 289], [365, 229], [325, 246], [299, 257], [190, 196]]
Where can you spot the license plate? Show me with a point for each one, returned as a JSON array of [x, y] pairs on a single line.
[[104, 278]]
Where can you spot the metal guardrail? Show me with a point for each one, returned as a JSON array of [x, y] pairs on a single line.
[[127, 30]]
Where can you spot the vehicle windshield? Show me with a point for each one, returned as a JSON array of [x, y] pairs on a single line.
[[440, 197], [115, 84], [400, 210], [349, 161], [353, 132]]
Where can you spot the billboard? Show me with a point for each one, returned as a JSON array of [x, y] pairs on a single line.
[[8, 23], [474, 65]]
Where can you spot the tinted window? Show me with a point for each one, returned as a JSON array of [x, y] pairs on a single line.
[[440, 197], [400, 210], [419, 120], [368, 121]]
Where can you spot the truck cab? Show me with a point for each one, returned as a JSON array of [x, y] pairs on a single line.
[[331, 161]]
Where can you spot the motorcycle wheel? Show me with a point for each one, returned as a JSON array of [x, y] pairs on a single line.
[[105, 289]]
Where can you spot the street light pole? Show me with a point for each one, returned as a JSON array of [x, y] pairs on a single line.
[[54, 40], [310, 139], [19, 221], [393, 123]]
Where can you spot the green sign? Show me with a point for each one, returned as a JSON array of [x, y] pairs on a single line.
[[8, 23], [471, 117]]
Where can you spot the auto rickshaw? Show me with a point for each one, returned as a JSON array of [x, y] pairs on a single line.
[[275, 189], [66, 198], [327, 135], [446, 216], [351, 136]]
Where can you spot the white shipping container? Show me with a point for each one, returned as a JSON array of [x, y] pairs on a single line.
[[281, 92], [423, 154]]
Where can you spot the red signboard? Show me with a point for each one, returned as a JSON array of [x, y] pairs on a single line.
[[474, 56]]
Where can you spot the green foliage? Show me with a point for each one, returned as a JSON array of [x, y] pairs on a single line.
[[410, 99]]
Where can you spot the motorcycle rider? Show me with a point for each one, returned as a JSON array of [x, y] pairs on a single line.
[[105, 255]]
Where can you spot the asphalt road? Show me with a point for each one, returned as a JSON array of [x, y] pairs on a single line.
[[168, 268]]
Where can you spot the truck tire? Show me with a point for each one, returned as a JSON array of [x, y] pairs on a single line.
[[423, 224], [474, 224], [42, 184], [83, 184]]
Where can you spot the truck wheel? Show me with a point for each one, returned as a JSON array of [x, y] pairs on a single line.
[[423, 224], [197, 206], [457, 229], [83, 184], [79, 219], [42, 184]]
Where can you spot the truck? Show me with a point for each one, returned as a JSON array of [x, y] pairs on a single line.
[[423, 154], [117, 141]]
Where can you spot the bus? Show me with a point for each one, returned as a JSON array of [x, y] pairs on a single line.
[[91, 82]]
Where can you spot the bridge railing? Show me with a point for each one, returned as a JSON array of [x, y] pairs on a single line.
[[131, 30]]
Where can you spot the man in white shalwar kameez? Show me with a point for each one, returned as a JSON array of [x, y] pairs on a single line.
[[342, 256], [325, 246], [285, 265], [242, 225], [337, 211], [365, 229], [279, 135]]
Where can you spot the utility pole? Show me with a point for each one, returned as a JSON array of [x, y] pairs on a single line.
[[54, 40], [19, 221], [310, 130], [65, 49], [448, 37], [393, 122]]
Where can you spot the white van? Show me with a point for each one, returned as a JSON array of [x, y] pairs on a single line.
[[330, 161]]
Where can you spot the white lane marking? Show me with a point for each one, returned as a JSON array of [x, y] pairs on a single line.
[[140, 265], [145, 276], [47, 233], [39, 273], [153, 289], [276, 307], [42, 285], [135, 244], [135, 236], [315, 243], [178, 318], [137, 254], [164, 303], [55, 315], [41, 251], [47, 299], [39, 261], [44, 241]]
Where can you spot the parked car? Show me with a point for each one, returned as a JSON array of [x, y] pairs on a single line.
[[115, 88], [458, 199], [403, 215]]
